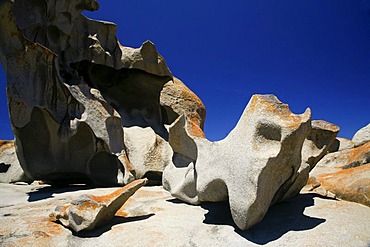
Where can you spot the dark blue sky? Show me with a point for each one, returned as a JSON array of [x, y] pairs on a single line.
[[309, 53]]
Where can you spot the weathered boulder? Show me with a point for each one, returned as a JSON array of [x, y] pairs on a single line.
[[344, 174], [148, 152], [343, 159], [10, 170], [88, 211], [352, 184], [72, 88], [264, 146], [362, 136], [315, 147], [177, 99], [340, 144]]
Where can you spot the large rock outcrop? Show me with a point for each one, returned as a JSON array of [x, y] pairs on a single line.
[[248, 168], [73, 89]]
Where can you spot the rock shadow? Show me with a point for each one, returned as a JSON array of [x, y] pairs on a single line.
[[47, 192], [279, 220], [107, 227]]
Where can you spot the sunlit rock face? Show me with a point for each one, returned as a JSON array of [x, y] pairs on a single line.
[[344, 174], [248, 168], [72, 89], [315, 147], [84, 108], [362, 136]]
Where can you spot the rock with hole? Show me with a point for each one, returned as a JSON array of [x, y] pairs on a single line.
[[247, 168]]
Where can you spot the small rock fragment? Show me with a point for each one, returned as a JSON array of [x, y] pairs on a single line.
[[89, 212]]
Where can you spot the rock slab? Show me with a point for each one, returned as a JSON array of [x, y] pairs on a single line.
[[89, 211], [152, 217]]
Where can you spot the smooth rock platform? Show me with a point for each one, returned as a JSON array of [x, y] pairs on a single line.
[[152, 217]]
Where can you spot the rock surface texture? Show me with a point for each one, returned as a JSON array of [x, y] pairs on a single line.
[[340, 144], [152, 217], [10, 170], [362, 136], [73, 90], [344, 174], [89, 211], [85, 109], [315, 147], [264, 146]]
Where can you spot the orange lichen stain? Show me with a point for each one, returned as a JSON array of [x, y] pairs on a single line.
[[89, 205], [6, 144], [351, 172], [193, 126], [108, 198], [356, 154], [351, 184], [280, 109], [313, 182], [127, 162], [53, 228], [121, 213], [322, 124]]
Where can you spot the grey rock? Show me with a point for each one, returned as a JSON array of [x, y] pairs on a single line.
[[344, 159], [177, 99], [264, 146], [315, 147], [362, 136], [340, 144], [152, 217], [145, 58], [10, 169], [72, 88], [148, 152], [88, 211]]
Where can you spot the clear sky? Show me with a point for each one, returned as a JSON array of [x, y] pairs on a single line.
[[309, 53]]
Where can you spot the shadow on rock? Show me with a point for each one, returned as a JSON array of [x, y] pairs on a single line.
[[107, 227], [280, 219], [47, 192]]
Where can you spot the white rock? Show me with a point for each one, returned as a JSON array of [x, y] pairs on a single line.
[[362, 136], [248, 167]]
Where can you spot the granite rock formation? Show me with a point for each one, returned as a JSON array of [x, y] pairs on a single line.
[[264, 146], [84, 108], [315, 147], [73, 90], [88, 211], [344, 174]]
